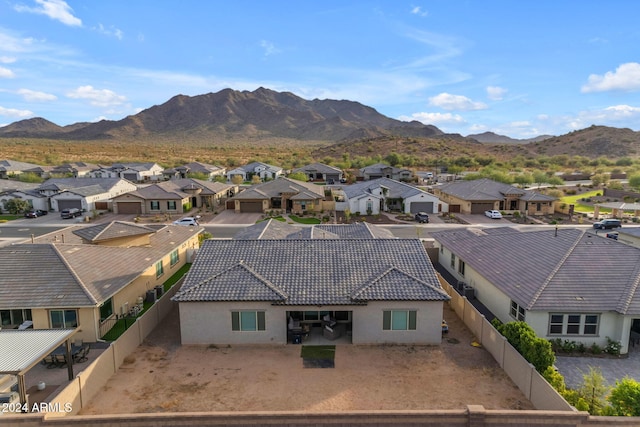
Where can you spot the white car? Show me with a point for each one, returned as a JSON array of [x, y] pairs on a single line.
[[189, 220], [493, 214]]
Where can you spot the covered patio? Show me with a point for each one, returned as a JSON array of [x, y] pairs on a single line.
[[24, 349], [618, 209]]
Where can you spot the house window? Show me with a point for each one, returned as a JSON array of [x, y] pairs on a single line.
[[63, 319], [516, 311], [106, 309], [155, 205], [453, 261], [441, 249], [573, 324], [303, 205], [399, 320], [159, 269], [171, 205], [175, 257], [14, 317], [538, 207], [248, 321], [461, 265]]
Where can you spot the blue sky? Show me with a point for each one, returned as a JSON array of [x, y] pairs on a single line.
[[517, 68]]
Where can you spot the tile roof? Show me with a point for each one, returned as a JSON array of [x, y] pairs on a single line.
[[314, 272], [273, 229], [488, 190], [111, 230], [395, 189], [571, 271], [252, 166], [318, 167], [99, 185], [276, 187], [11, 165], [76, 274]]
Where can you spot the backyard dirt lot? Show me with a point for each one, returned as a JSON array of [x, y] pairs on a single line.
[[164, 376]]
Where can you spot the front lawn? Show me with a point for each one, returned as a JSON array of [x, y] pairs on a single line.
[[304, 220], [5, 218]]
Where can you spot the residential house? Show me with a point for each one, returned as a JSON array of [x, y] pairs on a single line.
[[9, 168], [477, 196], [86, 194], [383, 195], [283, 194], [85, 277], [381, 170], [259, 291], [264, 171], [12, 189], [569, 284], [134, 172], [184, 171], [321, 172], [176, 196], [75, 169], [276, 230]]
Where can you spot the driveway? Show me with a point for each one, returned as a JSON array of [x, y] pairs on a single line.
[[229, 217]]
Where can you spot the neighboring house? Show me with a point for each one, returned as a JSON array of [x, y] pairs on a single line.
[[175, 196], [254, 291], [382, 195], [211, 171], [321, 172], [477, 196], [12, 168], [263, 170], [86, 194], [75, 169], [12, 189], [381, 170], [87, 276], [276, 230], [134, 172], [568, 284], [283, 194]]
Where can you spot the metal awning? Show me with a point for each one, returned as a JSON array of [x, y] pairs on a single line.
[[21, 350]]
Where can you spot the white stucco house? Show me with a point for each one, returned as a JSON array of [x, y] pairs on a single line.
[[134, 172], [383, 195], [569, 284], [266, 291], [81, 193], [263, 170]]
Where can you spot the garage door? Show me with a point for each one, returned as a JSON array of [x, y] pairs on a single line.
[[69, 204], [479, 208], [252, 207], [416, 207], [454, 208], [130, 177], [129, 208]]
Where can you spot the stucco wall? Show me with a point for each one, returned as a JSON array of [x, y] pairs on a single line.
[[367, 323]]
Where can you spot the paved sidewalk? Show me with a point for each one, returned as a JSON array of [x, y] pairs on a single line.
[[574, 368]]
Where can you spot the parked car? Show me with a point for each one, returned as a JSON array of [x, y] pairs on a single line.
[[613, 235], [494, 214], [188, 220], [607, 224], [70, 213], [422, 217], [34, 213]]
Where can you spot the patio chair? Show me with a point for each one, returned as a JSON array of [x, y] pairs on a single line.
[[81, 356], [60, 360]]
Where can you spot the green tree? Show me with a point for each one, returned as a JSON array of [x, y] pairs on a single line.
[[16, 206], [255, 179], [555, 181], [523, 179], [237, 179], [393, 159], [593, 391], [523, 338], [299, 176], [30, 177], [625, 398], [634, 181], [198, 175], [599, 179]]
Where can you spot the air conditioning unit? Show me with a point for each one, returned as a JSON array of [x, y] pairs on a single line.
[[124, 309], [469, 292]]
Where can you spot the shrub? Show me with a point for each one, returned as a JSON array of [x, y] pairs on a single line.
[[613, 347], [595, 348], [535, 350]]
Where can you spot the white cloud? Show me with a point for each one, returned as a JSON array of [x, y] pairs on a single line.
[[111, 31], [57, 10], [417, 10], [446, 101], [12, 112], [434, 118], [97, 97], [35, 96], [269, 48], [626, 78], [7, 59], [496, 93], [6, 73]]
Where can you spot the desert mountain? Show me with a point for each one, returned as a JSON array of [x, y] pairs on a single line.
[[237, 115], [494, 138]]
